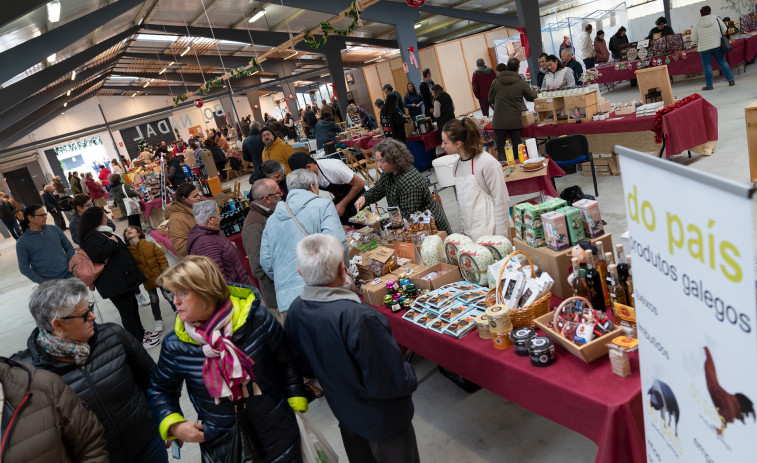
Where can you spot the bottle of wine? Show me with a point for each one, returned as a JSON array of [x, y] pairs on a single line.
[[617, 290], [622, 265], [629, 283], [609, 258], [594, 283], [601, 265], [579, 284]]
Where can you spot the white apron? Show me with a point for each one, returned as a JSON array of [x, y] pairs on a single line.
[[475, 206]]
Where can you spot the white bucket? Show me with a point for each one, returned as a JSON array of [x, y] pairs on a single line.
[[444, 167]]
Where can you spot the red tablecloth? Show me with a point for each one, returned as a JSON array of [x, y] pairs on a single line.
[[149, 206], [364, 143], [691, 125], [624, 123], [588, 399], [742, 50], [430, 140], [542, 183]]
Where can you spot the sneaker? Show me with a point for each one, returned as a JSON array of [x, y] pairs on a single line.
[[159, 326], [732, 83], [150, 343], [706, 88], [152, 334], [142, 299]]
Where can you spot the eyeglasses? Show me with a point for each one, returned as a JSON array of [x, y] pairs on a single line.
[[276, 193], [83, 316]]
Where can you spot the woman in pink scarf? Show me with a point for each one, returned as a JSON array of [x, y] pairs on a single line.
[[229, 349]]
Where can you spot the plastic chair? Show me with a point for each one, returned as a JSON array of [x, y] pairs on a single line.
[[571, 150]]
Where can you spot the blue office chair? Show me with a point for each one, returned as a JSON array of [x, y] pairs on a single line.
[[571, 150]]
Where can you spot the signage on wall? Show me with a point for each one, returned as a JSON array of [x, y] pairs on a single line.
[[694, 289], [153, 132]]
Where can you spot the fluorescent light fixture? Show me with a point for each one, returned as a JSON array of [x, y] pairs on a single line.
[[185, 51], [374, 59], [65, 104], [164, 70], [156, 38], [171, 63], [140, 21], [324, 75], [257, 16], [53, 11], [145, 85], [51, 58], [73, 75], [134, 94], [291, 56], [418, 25], [68, 93]]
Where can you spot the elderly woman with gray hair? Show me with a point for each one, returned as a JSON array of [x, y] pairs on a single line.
[[401, 184], [120, 191], [205, 239], [105, 365]]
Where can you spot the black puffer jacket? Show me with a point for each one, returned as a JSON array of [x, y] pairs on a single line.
[[120, 274], [270, 416], [112, 384]]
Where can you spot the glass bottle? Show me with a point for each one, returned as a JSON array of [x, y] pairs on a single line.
[[617, 290], [579, 284], [629, 283], [601, 265], [622, 265], [609, 258], [594, 283]]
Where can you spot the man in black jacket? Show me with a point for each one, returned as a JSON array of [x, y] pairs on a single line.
[[350, 349], [311, 120], [253, 146], [571, 62], [425, 89], [52, 204]]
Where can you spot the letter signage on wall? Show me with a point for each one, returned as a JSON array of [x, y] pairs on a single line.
[[153, 132]]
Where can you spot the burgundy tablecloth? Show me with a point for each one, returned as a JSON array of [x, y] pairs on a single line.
[[237, 240], [588, 399], [149, 206], [365, 143], [430, 140], [542, 183], [750, 47], [624, 123], [691, 125]]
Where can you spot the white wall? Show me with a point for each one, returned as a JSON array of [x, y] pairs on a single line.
[[267, 105], [682, 18]]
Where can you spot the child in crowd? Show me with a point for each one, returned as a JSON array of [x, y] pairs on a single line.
[[151, 261], [187, 170]]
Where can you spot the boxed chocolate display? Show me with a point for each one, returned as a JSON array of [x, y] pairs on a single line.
[[575, 224], [592, 220], [555, 230]]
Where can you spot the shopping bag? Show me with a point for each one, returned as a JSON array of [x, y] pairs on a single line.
[[130, 204], [315, 448]]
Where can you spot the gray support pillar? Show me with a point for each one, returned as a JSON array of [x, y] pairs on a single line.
[[406, 38], [333, 52], [254, 98], [287, 88], [528, 18], [666, 8]]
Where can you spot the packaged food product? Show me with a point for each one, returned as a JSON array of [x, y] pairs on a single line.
[[541, 350], [592, 219], [499, 246], [520, 337], [474, 260], [451, 244], [555, 230], [575, 224], [482, 322], [432, 251]]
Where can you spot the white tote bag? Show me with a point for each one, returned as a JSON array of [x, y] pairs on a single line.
[[130, 204], [315, 448]]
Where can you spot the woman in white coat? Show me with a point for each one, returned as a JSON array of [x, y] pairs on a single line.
[[482, 198], [557, 75], [706, 33]]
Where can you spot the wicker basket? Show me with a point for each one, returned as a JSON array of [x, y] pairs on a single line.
[[588, 352], [522, 317]]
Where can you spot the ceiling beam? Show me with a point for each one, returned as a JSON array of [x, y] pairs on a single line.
[[25, 88], [14, 10], [209, 59], [289, 19], [21, 57], [5, 144], [170, 90], [201, 15], [473, 15], [166, 76]]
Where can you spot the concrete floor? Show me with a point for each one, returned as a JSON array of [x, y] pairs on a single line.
[[452, 425]]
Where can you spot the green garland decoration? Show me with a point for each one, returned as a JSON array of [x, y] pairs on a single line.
[[179, 99], [78, 145], [327, 28]]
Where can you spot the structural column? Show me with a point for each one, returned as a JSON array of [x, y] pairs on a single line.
[[333, 51], [254, 98], [666, 8], [528, 18], [404, 28]]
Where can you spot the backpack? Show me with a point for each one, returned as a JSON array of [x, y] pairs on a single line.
[[82, 267]]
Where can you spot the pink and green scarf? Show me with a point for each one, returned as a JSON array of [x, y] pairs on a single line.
[[227, 369]]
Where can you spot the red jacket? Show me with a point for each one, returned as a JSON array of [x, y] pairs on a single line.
[[482, 83], [104, 173], [95, 190]]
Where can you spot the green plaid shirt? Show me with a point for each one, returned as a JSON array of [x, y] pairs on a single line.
[[409, 192]]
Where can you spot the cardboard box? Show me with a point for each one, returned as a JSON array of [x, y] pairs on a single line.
[[750, 113], [382, 254], [527, 118], [575, 224], [214, 183], [604, 165], [555, 230], [413, 252], [604, 106], [557, 263], [451, 276], [412, 269], [548, 104], [592, 219], [582, 101], [373, 291]]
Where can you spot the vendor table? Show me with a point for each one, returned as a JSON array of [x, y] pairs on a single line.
[[364, 143], [698, 120], [430, 140], [521, 183], [587, 398], [153, 211], [422, 157]]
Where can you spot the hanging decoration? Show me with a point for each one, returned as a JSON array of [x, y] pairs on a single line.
[[333, 91], [327, 28], [415, 3], [658, 115], [291, 97], [198, 103], [411, 55], [256, 107], [524, 40], [78, 145], [180, 99], [241, 71]]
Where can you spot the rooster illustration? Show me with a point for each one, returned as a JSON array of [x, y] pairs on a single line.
[[730, 407]]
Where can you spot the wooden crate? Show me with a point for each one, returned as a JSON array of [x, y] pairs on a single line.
[[589, 352]]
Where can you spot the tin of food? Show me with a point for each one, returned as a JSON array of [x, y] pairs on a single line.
[[520, 337], [541, 350]]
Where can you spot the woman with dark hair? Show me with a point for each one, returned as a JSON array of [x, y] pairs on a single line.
[[120, 191], [401, 184], [180, 218], [413, 101], [236, 363], [602, 54], [706, 33], [482, 198], [291, 129], [618, 39], [392, 122], [326, 129], [219, 158], [120, 276], [175, 173], [444, 108], [557, 75], [81, 203]]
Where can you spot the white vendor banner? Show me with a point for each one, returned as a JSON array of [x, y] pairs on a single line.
[[693, 262]]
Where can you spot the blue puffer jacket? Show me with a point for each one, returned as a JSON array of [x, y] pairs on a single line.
[[278, 258], [271, 418]]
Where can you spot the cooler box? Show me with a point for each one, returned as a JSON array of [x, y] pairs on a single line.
[[444, 166]]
